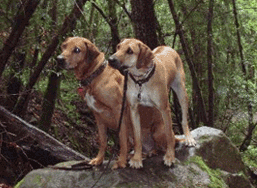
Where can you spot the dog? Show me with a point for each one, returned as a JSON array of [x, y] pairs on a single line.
[[102, 89], [151, 76]]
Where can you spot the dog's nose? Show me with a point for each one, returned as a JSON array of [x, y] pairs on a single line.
[[60, 60], [113, 62], [112, 59]]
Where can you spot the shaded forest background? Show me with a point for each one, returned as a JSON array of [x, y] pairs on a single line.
[[217, 41]]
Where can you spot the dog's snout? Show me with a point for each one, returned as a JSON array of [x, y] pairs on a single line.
[[60, 60], [114, 62], [112, 59]]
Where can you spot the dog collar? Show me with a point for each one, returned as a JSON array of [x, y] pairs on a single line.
[[142, 81], [97, 72]]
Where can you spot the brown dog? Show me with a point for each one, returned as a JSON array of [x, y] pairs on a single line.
[[102, 91], [152, 74]]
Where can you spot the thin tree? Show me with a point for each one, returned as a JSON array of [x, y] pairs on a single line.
[[21, 20], [112, 21], [251, 125], [185, 47], [68, 25], [53, 85], [210, 62]]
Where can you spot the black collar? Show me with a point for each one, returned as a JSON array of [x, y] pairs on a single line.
[[97, 72], [144, 80]]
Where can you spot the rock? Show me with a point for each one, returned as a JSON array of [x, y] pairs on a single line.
[[214, 162]]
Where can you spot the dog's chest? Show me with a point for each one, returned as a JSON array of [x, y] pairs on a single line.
[[91, 102], [140, 94]]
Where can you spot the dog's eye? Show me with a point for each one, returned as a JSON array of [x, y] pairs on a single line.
[[129, 51], [76, 50]]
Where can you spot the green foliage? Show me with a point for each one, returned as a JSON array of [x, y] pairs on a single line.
[[68, 94], [250, 156]]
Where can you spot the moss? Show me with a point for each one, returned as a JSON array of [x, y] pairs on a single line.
[[19, 184], [204, 138], [215, 175]]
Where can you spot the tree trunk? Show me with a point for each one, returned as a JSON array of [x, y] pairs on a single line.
[[188, 59], [14, 83], [144, 20], [210, 62], [38, 145], [247, 140], [49, 101], [197, 56], [112, 22], [68, 25], [52, 88], [21, 21]]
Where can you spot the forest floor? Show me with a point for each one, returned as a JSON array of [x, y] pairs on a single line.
[[79, 134]]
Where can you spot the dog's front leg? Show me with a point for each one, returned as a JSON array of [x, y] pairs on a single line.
[[103, 143], [136, 160], [123, 140]]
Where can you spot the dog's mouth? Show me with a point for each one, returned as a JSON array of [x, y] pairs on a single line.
[[114, 63], [61, 61]]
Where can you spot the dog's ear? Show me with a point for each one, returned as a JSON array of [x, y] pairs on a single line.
[[145, 56], [92, 52]]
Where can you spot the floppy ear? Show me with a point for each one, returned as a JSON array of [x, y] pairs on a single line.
[[145, 56], [92, 52]]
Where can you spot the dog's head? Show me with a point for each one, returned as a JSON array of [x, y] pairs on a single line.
[[77, 53], [132, 55]]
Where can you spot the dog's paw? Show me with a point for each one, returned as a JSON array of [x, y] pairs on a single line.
[[136, 163], [190, 141], [96, 161], [168, 159], [119, 164]]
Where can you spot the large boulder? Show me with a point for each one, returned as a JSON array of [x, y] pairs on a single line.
[[214, 162]]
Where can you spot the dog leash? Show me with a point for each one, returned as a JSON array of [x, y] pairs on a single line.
[[115, 146]]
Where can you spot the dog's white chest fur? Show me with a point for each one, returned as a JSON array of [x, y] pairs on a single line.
[[91, 102], [141, 95]]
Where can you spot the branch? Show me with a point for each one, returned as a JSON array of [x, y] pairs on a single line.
[[124, 8], [102, 13], [21, 21], [187, 16]]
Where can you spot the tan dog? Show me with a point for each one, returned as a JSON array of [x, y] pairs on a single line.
[[102, 89], [151, 75]]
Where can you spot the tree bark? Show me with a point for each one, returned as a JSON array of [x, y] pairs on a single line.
[[48, 105], [210, 62], [49, 101], [180, 32], [68, 25], [144, 20], [21, 21], [197, 56], [251, 125], [112, 22], [14, 83], [36, 141]]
